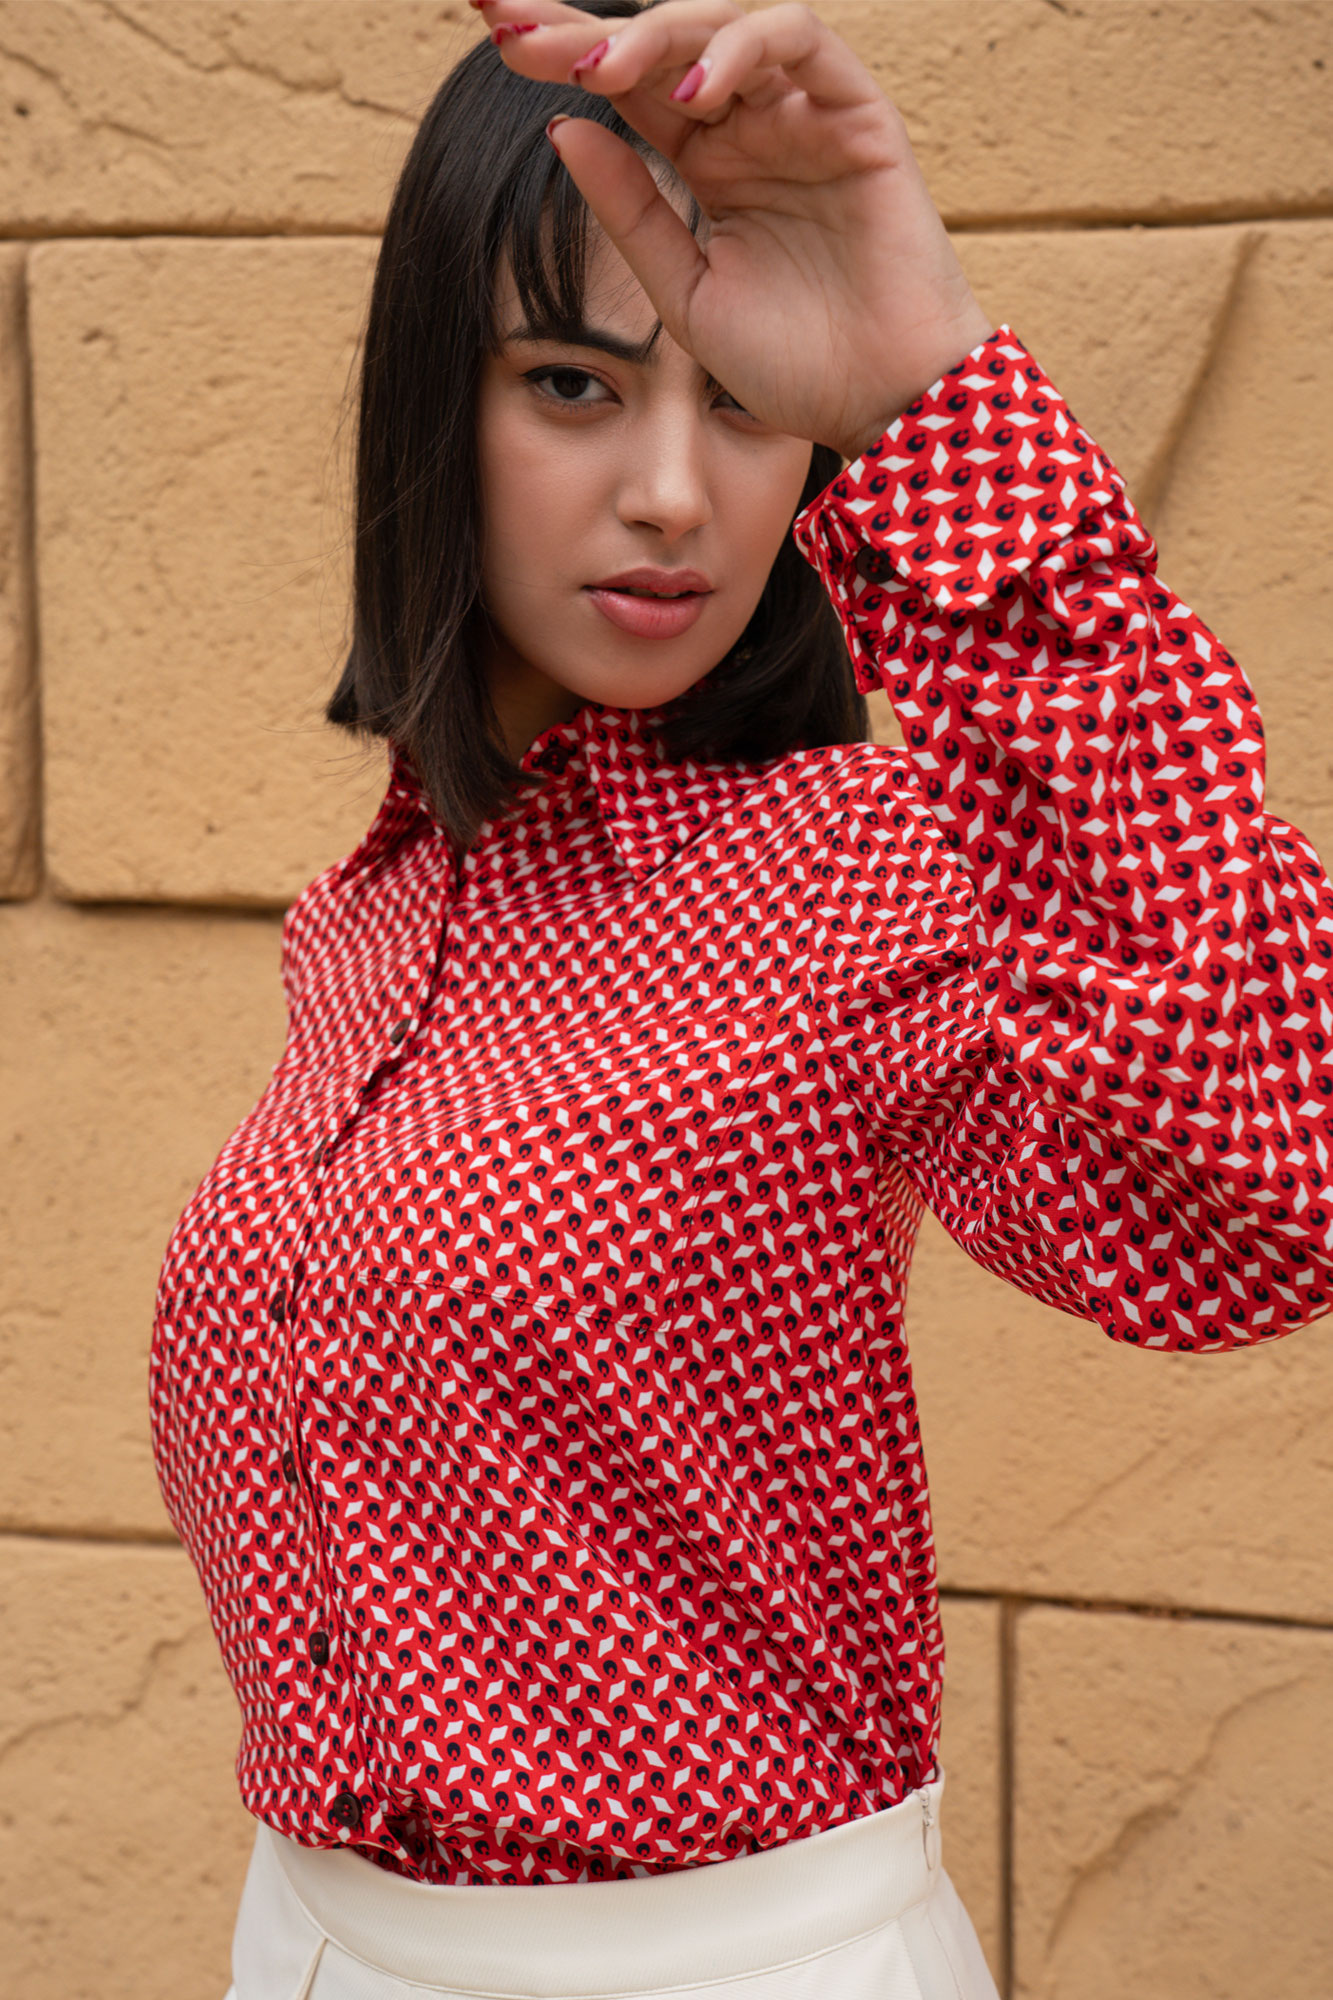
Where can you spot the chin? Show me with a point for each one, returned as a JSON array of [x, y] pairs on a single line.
[[626, 689]]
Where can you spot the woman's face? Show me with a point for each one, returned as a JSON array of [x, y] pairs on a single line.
[[605, 464]]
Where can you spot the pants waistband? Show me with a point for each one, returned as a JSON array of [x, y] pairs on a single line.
[[711, 1921]]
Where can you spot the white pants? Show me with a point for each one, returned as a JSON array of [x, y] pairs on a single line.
[[861, 1911]]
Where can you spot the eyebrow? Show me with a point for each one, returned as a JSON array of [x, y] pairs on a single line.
[[604, 341], [593, 336]]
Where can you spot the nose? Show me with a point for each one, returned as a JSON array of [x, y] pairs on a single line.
[[665, 483]]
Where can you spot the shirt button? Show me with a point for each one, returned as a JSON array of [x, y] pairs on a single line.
[[277, 1306], [317, 1156], [554, 757], [319, 1648], [346, 1810], [289, 1466], [875, 565], [397, 1031]]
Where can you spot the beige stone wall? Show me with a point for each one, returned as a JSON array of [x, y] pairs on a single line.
[[1140, 1598]]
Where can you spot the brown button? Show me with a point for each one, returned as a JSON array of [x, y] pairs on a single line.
[[277, 1306], [289, 1466], [346, 1810], [875, 565], [319, 1648], [397, 1031], [317, 1156]]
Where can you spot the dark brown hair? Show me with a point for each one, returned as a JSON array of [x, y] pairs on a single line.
[[480, 183]]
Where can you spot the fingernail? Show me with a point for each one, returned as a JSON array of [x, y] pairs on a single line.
[[592, 58], [513, 28], [561, 118], [691, 80]]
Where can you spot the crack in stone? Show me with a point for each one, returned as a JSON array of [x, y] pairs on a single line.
[[1163, 1811], [230, 59], [1087, 1501], [49, 1725]]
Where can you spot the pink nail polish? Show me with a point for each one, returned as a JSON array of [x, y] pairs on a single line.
[[691, 80], [592, 58], [513, 28]]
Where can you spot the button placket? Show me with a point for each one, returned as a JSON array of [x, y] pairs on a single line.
[[326, 1676]]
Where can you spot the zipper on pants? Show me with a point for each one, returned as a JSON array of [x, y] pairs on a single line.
[[930, 1830]]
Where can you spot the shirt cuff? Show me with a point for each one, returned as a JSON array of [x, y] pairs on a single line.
[[981, 477]]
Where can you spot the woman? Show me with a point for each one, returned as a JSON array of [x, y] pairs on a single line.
[[528, 1379]]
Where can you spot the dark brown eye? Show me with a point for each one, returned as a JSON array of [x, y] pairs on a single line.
[[567, 385]]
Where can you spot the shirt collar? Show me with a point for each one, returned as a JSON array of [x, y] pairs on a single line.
[[648, 805]]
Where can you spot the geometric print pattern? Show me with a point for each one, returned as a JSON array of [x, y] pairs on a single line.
[[528, 1377]]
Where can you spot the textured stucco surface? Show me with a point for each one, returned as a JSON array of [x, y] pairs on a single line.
[[131, 1041], [1140, 1628], [1173, 1822]]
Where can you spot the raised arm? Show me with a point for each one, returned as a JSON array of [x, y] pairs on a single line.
[[1135, 1113]]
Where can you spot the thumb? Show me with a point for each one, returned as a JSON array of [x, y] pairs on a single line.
[[618, 186]]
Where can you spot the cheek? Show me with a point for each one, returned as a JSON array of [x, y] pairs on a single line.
[[528, 500], [760, 505]]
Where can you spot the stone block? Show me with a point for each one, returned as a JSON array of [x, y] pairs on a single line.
[[972, 1758], [131, 1043], [1124, 321], [166, 115], [1244, 513], [1173, 1808], [1063, 1464], [19, 861], [123, 1841], [1082, 113], [194, 408]]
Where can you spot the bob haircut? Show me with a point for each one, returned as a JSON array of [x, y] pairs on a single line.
[[482, 182]]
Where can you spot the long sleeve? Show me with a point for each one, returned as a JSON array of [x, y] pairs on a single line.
[[1128, 1025]]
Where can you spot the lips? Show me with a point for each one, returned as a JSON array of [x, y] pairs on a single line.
[[652, 603], [652, 582]]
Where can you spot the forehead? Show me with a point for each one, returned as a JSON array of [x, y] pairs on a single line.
[[613, 298]]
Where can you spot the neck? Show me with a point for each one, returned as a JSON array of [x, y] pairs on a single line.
[[526, 700]]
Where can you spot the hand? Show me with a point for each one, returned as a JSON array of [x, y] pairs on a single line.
[[827, 295]]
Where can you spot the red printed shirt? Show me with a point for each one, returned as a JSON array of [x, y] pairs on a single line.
[[528, 1378]]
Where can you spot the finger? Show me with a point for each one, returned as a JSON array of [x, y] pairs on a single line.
[[737, 52], [741, 56], [552, 11], [563, 38], [668, 36], [619, 188]]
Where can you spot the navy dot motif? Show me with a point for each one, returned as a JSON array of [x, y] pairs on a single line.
[[528, 1379]]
